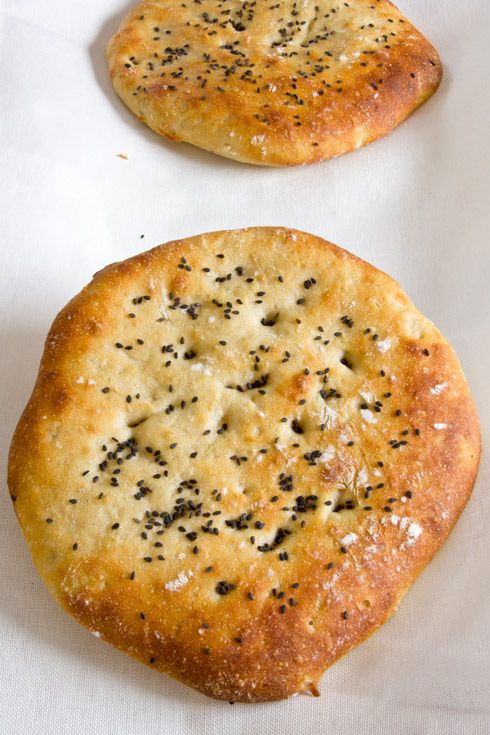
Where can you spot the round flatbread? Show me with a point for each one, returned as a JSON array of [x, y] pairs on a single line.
[[276, 84], [240, 451]]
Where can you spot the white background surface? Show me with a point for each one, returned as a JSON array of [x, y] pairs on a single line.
[[415, 204]]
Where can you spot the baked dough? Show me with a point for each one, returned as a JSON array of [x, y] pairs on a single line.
[[240, 451], [279, 83]]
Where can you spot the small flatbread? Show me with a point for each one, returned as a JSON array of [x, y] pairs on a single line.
[[241, 450], [272, 83]]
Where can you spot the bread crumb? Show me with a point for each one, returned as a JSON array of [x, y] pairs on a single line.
[[437, 389], [176, 584], [414, 530], [384, 345], [351, 538], [368, 416]]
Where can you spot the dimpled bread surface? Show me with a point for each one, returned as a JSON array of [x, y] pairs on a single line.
[[240, 451], [272, 83]]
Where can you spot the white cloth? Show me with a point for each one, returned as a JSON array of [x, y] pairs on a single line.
[[414, 204]]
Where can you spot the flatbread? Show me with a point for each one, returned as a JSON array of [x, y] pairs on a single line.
[[272, 83], [241, 450]]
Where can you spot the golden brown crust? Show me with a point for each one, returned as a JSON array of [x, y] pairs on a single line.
[[367, 465], [276, 84]]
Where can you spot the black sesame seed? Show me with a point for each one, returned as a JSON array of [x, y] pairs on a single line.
[[224, 588]]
